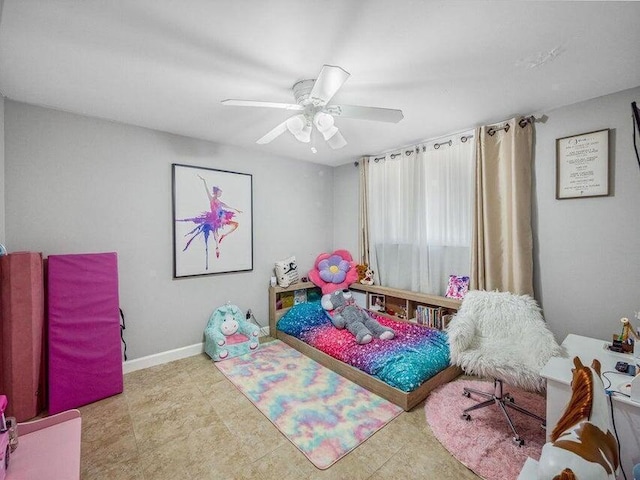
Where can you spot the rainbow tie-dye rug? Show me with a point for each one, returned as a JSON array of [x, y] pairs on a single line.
[[323, 414]]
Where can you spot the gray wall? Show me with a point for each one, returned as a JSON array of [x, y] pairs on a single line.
[[586, 251], [77, 185], [346, 209], [2, 176]]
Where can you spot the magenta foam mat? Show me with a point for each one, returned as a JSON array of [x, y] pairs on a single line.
[[85, 356]]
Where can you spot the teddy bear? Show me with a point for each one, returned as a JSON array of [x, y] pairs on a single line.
[[346, 314], [368, 277], [362, 270]]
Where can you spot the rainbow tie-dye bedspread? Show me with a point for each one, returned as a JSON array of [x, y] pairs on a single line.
[[416, 353]]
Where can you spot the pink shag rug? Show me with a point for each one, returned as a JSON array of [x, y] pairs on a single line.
[[485, 443]]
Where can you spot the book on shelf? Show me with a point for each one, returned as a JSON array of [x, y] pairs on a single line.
[[286, 299], [299, 296], [429, 316], [446, 319]]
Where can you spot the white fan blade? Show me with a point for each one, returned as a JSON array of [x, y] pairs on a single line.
[[252, 103], [337, 141], [377, 114], [273, 134], [327, 84]]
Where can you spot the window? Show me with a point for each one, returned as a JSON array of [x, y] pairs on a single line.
[[420, 215]]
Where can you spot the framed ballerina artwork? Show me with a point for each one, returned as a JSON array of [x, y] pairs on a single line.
[[212, 221]]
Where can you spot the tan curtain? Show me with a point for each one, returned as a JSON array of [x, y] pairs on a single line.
[[364, 226], [502, 245]]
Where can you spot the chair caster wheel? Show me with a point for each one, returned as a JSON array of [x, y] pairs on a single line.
[[466, 416], [466, 394], [509, 398], [518, 441]]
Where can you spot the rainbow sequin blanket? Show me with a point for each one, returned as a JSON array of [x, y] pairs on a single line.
[[416, 354]]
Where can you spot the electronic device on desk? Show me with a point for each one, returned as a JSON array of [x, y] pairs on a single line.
[[624, 367]]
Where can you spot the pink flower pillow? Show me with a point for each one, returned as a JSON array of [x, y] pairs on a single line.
[[334, 271]]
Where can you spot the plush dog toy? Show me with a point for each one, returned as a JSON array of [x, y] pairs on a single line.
[[368, 277], [346, 314]]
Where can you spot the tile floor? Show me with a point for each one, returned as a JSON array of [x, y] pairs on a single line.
[[185, 420]]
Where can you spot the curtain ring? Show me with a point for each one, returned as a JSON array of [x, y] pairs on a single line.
[[437, 145], [408, 153], [464, 139], [525, 121], [378, 159], [491, 132], [394, 155], [506, 128]]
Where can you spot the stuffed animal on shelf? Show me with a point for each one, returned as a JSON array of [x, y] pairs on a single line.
[[346, 314], [361, 268], [368, 277]]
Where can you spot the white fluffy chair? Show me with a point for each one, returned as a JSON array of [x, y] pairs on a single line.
[[502, 336]]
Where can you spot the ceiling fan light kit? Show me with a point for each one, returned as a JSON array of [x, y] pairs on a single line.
[[300, 127], [325, 124], [312, 98]]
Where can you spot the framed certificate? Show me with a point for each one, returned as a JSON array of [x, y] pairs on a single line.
[[582, 165]]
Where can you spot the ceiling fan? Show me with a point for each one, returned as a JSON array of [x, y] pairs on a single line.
[[312, 99]]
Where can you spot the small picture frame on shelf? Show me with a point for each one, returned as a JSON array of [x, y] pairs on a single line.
[[376, 303], [299, 296]]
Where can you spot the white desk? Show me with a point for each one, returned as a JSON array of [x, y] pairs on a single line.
[[626, 413]]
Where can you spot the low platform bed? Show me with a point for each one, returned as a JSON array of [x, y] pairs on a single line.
[[404, 399]]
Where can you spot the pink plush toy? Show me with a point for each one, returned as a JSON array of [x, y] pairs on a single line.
[[334, 271]]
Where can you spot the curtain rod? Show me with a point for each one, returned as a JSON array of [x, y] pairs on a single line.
[[416, 145], [522, 122]]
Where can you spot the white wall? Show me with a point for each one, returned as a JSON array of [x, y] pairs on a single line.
[[76, 184], [586, 251]]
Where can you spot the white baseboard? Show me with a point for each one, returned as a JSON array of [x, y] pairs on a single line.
[[162, 357]]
